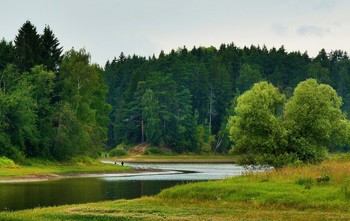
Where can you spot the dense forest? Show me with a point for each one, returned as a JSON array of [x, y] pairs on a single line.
[[57, 105], [51, 105], [183, 99]]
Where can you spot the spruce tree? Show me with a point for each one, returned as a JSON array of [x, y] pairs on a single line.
[[51, 51], [27, 47]]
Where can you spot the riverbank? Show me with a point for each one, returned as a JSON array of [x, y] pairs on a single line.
[[45, 170], [174, 159], [42, 170], [309, 192]]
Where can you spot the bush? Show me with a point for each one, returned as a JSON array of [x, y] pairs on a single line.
[[153, 150], [7, 163], [118, 152], [323, 178]]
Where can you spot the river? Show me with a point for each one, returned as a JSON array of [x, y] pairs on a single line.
[[100, 187]]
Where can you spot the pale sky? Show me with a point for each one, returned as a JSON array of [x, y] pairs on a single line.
[[105, 28]]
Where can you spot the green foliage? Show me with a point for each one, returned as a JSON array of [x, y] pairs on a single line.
[[312, 122], [118, 152], [50, 50], [7, 53], [153, 150], [55, 106], [27, 47], [83, 160], [306, 182], [247, 77], [151, 117], [201, 139], [6, 163], [82, 112], [195, 87], [345, 189], [256, 128]]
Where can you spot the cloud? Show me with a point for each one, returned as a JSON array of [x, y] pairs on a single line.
[[279, 29], [325, 4], [313, 31]]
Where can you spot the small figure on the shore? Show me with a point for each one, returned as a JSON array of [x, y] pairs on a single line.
[[115, 162], [122, 163]]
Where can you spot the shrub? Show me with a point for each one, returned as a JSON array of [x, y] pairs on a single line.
[[323, 178], [153, 150], [118, 152], [6, 163]]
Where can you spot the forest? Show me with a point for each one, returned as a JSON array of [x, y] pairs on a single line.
[[58, 105]]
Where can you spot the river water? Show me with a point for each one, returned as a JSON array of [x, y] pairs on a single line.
[[100, 187]]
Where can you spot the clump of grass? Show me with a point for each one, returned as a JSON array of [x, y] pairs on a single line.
[[83, 160], [324, 178], [306, 182], [7, 163], [345, 189]]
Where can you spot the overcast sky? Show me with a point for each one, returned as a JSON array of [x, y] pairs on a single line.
[[144, 27]]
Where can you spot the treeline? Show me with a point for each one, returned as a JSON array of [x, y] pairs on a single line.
[[51, 105], [183, 99]]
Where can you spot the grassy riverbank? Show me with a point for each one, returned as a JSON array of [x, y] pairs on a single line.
[[35, 168], [316, 192]]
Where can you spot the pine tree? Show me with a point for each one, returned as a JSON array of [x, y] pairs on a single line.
[[51, 52], [27, 47]]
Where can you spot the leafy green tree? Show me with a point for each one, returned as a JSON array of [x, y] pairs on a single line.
[[314, 121], [42, 82], [19, 133], [152, 121], [256, 128], [83, 111], [201, 137]]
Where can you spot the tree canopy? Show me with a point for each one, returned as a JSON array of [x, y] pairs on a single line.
[[269, 131], [49, 107]]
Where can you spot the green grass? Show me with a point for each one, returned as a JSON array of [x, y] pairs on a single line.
[[293, 193], [36, 167]]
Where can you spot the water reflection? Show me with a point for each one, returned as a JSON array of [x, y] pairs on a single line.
[[16, 196]]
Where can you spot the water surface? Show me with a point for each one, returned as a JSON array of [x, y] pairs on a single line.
[[93, 188]]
